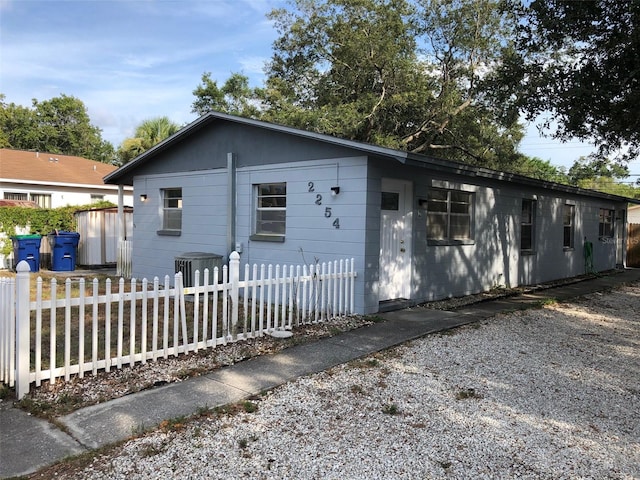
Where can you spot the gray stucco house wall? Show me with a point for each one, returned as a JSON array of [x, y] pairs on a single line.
[[419, 228]]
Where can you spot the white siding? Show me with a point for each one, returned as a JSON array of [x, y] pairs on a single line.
[[634, 214], [64, 196]]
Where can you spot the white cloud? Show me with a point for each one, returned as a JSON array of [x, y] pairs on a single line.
[[253, 64], [129, 61]]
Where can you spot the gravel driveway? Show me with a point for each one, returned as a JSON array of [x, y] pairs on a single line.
[[549, 393]]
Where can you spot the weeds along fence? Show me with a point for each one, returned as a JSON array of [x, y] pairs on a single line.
[[77, 327]]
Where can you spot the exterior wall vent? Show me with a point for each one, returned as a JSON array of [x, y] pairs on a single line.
[[190, 262]]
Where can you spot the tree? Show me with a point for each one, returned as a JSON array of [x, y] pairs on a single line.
[[59, 125], [592, 167], [234, 97], [603, 174], [347, 68], [542, 170], [463, 42], [149, 133], [580, 61], [394, 72]]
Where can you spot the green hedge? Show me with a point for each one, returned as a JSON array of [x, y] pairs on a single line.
[[40, 220]]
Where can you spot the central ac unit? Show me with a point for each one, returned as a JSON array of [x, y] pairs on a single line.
[[190, 262]]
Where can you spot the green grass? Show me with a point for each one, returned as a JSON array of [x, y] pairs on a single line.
[[390, 409]]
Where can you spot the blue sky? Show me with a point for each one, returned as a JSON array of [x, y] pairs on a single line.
[[130, 60]]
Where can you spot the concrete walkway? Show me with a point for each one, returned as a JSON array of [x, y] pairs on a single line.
[[28, 443]]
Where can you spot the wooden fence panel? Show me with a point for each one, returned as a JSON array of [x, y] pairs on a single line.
[[633, 245]]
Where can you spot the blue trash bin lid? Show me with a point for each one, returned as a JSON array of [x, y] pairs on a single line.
[[26, 237]]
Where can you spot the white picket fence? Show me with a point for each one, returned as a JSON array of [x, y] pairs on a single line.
[[7, 330], [148, 320]]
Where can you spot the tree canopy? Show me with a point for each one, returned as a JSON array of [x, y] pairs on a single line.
[[407, 74], [59, 125], [149, 133], [235, 97], [578, 63]]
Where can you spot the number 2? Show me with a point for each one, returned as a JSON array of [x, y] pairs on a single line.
[[311, 187]]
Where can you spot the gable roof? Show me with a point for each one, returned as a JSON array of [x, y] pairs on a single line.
[[124, 174], [23, 166]]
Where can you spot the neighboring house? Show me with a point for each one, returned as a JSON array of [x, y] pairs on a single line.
[[52, 180], [634, 214], [419, 228]]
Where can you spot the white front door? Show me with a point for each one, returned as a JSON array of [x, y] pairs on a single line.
[[395, 239]]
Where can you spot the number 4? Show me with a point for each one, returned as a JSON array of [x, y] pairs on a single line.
[[336, 223]]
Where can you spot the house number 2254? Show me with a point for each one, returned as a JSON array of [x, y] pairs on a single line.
[[318, 201]]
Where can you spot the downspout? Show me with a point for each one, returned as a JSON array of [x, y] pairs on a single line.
[[231, 202], [120, 222]]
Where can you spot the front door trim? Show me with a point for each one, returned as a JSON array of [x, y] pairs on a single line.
[[395, 239]]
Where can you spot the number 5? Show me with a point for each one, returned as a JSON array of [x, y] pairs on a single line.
[[327, 212]]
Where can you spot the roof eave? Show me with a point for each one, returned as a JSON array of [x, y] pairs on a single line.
[[101, 186], [398, 155], [473, 171], [211, 116]]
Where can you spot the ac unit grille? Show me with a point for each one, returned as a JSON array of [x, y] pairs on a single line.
[[190, 262]]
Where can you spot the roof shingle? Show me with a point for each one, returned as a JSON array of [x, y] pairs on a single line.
[[51, 168]]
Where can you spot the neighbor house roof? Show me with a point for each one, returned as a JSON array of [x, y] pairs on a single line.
[[124, 173], [20, 166], [18, 203]]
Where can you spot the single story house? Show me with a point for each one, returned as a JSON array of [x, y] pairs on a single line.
[[52, 180], [634, 214], [419, 228], [47, 180]]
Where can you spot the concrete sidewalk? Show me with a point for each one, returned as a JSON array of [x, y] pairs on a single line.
[[28, 443]]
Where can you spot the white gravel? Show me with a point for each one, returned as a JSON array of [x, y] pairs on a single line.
[[551, 393]]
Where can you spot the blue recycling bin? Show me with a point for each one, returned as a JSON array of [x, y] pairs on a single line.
[[27, 247], [64, 246]]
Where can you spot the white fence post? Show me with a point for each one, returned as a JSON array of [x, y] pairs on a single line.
[[23, 291], [234, 279]]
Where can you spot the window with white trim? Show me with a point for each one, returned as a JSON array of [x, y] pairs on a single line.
[[605, 227], [42, 199], [568, 223], [270, 210], [449, 215], [528, 225], [171, 209], [16, 196]]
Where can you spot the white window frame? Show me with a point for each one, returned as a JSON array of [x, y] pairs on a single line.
[[528, 224], [449, 213], [20, 196], [568, 226], [606, 223], [42, 199], [270, 199], [171, 210]]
